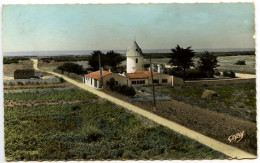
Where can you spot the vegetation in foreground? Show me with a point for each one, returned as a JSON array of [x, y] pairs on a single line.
[[236, 100], [90, 130]]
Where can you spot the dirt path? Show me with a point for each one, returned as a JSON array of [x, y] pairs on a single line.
[[228, 150]]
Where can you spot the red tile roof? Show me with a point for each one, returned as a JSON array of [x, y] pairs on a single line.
[[140, 74], [95, 75]]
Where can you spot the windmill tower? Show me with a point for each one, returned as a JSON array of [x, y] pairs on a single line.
[[134, 59]]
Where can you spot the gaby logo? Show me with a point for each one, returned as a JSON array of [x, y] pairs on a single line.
[[237, 137]]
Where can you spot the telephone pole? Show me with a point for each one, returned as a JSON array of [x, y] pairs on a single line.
[[151, 69], [100, 72]]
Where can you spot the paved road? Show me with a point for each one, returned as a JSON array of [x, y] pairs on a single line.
[[228, 150]]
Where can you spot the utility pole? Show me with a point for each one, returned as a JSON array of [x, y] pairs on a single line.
[[100, 72], [151, 69]]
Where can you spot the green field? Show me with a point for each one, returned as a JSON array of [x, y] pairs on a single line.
[[236, 100], [90, 130]]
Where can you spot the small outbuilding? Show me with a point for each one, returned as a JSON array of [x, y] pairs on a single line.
[[93, 79], [24, 74]]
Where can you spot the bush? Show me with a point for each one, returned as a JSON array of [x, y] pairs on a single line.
[[190, 73], [230, 74], [240, 62], [217, 73], [20, 83], [72, 67], [111, 84], [125, 90], [75, 108], [62, 80]]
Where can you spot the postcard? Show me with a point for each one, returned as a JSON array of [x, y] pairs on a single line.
[[160, 81]]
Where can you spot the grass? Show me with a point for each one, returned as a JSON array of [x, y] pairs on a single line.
[[53, 96], [88, 131], [236, 100]]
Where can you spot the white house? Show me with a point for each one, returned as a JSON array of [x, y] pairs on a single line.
[[134, 59], [93, 79]]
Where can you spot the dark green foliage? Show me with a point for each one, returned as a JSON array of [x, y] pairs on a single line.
[[125, 90], [108, 128], [124, 118], [230, 74], [94, 59], [65, 95], [217, 73], [9, 60], [207, 63], [65, 58], [111, 59], [62, 80], [241, 62], [190, 73], [157, 55], [122, 89], [72, 67], [99, 130], [76, 108], [111, 84], [182, 58], [158, 139]]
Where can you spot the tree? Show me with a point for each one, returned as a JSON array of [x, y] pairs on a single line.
[[207, 63], [111, 83], [94, 60], [182, 58], [72, 67], [113, 59]]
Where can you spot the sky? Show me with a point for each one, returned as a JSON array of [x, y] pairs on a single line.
[[114, 27]]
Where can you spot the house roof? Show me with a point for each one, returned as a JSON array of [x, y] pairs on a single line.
[[96, 74], [139, 74], [134, 50], [24, 70]]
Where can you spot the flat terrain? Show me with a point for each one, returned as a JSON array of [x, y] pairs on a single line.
[[49, 66], [225, 62], [10, 68], [208, 117], [235, 100], [77, 125]]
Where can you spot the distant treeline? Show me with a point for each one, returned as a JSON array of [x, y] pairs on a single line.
[[219, 54], [65, 58], [198, 54], [9, 60]]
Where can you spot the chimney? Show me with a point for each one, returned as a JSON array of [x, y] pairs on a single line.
[[159, 68]]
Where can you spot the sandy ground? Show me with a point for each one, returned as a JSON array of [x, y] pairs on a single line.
[[247, 76], [10, 68]]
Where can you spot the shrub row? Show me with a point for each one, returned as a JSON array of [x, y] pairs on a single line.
[[190, 73], [122, 89], [230, 74]]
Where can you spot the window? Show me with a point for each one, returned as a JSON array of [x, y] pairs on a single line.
[[133, 82], [164, 80], [142, 81], [136, 60], [156, 81], [138, 82]]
